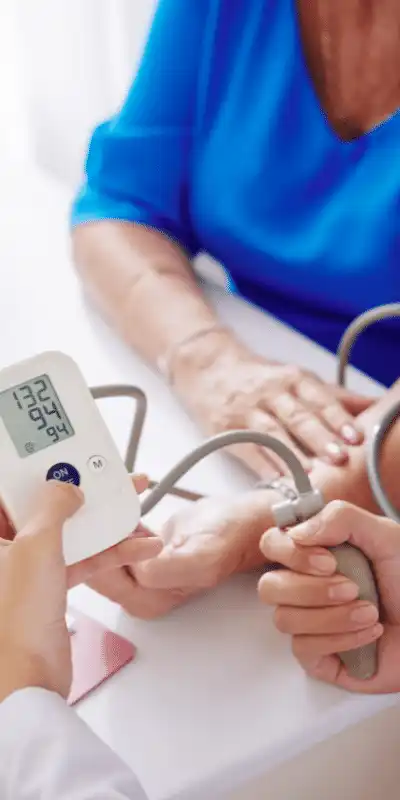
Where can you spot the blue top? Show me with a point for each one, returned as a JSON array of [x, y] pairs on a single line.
[[222, 145]]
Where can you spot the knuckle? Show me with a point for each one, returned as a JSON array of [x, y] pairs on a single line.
[[335, 413], [298, 417], [297, 558], [337, 511], [293, 374]]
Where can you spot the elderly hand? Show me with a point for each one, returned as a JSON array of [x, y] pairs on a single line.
[[34, 641], [225, 386], [320, 609], [204, 544]]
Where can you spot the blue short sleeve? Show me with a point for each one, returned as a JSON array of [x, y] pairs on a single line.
[[138, 163]]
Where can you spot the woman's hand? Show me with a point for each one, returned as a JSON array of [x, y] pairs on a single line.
[[34, 641], [204, 544], [225, 386], [320, 609]]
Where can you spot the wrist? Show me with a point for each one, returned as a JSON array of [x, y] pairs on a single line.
[[195, 357], [19, 672], [255, 505], [349, 482]]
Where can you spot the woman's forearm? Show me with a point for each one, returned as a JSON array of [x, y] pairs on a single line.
[[143, 284]]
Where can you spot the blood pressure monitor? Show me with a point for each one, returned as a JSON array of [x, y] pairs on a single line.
[[51, 429]]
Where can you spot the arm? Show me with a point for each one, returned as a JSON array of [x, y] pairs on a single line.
[[47, 751], [349, 482], [132, 234]]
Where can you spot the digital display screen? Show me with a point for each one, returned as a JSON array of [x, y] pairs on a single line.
[[34, 416]]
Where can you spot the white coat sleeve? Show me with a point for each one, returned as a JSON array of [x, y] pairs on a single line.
[[48, 752]]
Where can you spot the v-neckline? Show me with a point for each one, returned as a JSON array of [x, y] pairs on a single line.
[[331, 132]]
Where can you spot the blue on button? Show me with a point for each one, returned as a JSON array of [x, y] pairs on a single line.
[[65, 473]]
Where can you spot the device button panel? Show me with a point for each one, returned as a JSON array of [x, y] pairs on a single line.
[[96, 464], [64, 472]]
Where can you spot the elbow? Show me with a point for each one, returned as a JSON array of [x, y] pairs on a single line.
[[89, 245], [78, 247]]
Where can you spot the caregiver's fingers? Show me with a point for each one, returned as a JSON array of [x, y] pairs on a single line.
[[121, 587], [279, 548], [130, 551], [6, 530], [53, 504], [340, 522], [140, 482], [322, 621], [185, 566], [309, 650], [286, 588]]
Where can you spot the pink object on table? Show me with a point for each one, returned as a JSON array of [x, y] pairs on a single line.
[[97, 654]]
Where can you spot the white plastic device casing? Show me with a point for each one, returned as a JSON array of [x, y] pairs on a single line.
[[111, 510]]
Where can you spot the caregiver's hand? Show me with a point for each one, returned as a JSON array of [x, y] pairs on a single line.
[[320, 610], [34, 641], [204, 544], [225, 386]]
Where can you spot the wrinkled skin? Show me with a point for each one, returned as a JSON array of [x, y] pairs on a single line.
[[231, 388], [204, 544]]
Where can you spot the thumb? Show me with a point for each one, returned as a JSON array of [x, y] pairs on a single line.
[[340, 522], [330, 669], [51, 507]]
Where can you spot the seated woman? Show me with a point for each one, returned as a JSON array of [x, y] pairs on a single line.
[[243, 136]]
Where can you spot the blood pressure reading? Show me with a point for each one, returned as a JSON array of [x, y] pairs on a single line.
[[34, 416]]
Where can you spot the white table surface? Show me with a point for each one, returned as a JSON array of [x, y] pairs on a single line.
[[214, 697]]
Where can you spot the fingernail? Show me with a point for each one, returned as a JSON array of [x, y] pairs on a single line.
[[323, 563], [377, 631], [336, 453], [351, 435], [305, 530], [367, 614], [344, 591]]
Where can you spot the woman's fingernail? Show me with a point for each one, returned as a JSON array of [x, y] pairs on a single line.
[[344, 591], [365, 614], [336, 453], [351, 435], [323, 563]]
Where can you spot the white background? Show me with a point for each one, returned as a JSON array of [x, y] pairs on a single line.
[[66, 65]]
